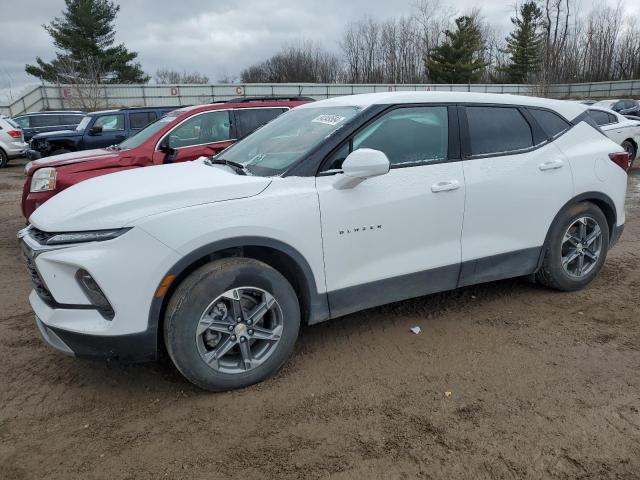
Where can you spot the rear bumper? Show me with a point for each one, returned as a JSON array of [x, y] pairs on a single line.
[[138, 347], [15, 149]]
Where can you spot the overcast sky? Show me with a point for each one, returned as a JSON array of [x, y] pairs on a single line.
[[216, 37]]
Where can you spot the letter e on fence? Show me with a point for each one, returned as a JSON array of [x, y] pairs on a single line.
[[174, 91]]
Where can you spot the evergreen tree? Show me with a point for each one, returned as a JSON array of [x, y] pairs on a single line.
[[85, 35], [524, 44], [459, 58]]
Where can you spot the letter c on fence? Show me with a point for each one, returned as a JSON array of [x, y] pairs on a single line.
[[239, 91]]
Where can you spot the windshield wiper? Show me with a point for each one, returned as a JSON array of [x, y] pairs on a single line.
[[238, 167]]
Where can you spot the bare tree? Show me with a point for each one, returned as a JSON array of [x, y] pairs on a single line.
[[304, 62], [166, 76], [84, 80]]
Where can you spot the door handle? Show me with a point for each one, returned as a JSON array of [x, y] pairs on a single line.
[[553, 165], [445, 186]]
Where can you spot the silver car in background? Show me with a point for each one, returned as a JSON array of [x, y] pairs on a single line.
[[12, 142]]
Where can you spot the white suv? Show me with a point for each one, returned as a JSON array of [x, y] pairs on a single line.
[[12, 142], [334, 207]]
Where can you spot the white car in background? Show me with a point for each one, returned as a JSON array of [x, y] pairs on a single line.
[[12, 142], [620, 129], [331, 208]]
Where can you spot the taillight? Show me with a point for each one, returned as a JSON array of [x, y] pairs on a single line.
[[14, 133], [622, 159]]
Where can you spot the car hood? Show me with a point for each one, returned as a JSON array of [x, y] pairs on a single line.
[[73, 157], [118, 199], [57, 133]]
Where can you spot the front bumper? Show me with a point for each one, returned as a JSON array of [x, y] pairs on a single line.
[[127, 269], [140, 347], [33, 154]]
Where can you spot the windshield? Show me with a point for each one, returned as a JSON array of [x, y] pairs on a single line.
[[282, 142], [83, 124], [146, 133]]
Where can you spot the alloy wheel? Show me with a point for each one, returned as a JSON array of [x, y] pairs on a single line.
[[239, 330], [581, 247]]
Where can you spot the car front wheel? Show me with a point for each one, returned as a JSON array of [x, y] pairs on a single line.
[[630, 148], [231, 323], [576, 248]]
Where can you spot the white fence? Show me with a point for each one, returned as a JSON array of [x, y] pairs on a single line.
[[54, 97]]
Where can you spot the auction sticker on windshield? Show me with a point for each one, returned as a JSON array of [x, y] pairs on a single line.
[[328, 119]]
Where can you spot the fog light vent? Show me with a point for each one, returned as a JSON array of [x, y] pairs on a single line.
[[95, 295]]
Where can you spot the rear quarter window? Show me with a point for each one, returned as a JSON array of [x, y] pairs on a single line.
[[552, 123], [497, 130], [251, 119]]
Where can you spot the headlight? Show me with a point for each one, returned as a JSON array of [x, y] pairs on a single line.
[[43, 180], [82, 237]]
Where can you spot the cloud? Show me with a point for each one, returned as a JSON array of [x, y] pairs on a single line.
[[214, 37]]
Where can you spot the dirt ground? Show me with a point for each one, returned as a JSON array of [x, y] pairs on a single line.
[[506, 380]]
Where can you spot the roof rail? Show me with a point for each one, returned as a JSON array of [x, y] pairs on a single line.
[[266, 99], [173, 107]]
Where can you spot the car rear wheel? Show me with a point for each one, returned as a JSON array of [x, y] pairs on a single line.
[[231, 323], [576, 249], [4, 160]]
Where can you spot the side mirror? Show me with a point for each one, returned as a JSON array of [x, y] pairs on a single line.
[[96, 130], [170, 153], [362, 164]]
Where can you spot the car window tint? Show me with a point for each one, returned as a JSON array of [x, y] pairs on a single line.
[[408, 135], [250, 119], [600, 117], [552, 123], [201, 129], [44, 121], [139, 120], [70, 119], [22, 121], [111, 122], [496, 130]]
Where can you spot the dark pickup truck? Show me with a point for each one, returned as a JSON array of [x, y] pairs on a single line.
[[95, 130]]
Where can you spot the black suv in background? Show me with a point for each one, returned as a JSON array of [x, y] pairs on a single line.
[[96, 130], [51, 121]]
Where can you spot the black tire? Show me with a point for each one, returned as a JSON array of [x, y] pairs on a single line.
[[195, 295], [4, 160], [552, 273], [60, 151], [630, 147]]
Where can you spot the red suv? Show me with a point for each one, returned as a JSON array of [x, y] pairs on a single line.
[[183, 134]]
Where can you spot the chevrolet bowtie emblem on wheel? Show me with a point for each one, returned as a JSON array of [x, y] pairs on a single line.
[[360, 229]]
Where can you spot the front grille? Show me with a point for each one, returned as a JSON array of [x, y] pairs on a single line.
[[39, 236], [38, 285]]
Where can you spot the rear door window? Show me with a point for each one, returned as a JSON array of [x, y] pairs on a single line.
[[45, 121], [497, 130], [552, 123], [70, 120], [250, 119], [602, 118], [139, 120]]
